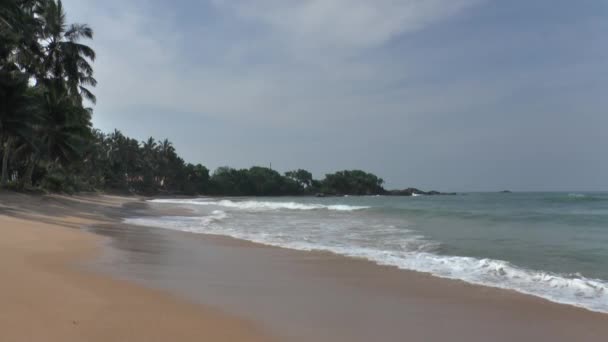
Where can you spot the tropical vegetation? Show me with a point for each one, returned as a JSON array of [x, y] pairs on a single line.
[[47, 140]]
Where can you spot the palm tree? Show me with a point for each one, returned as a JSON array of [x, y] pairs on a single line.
[[47, 120], [17, 113], [9, 33], [65, 60], [149, 164], [149, 145], [166, 152], [21, 29], [66, 126]]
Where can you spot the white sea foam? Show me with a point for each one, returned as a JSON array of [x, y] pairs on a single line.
[[414, 253], [192, 224], [252, 205]]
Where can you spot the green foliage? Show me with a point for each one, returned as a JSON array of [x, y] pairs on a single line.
[[61, 179], [197, 179], [57, 181], [255, 181], [261, 181], [302, 177], [17, 114], [46, 123], [354, 182]]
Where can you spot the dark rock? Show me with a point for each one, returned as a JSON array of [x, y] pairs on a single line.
[[414, 191]]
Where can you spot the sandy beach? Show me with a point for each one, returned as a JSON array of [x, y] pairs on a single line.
[[115, 282], [46, 294], [304, 170]]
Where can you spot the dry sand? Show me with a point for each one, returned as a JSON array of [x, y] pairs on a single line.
[[46, 296]]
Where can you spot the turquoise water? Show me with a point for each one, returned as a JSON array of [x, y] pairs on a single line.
[[552, 245], [558, 232]]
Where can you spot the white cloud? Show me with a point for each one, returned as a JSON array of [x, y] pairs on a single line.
[[308, 75], [344, 23]]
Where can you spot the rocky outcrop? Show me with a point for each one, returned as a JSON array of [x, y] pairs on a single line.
[[414, 191]]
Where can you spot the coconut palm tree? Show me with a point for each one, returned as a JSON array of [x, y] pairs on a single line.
[[18, 42], [17, 114], [66, 126], [149, 164], [35, 39], [65, 60], [166, 152]]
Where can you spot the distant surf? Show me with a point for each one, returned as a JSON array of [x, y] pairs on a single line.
[[371, 228]]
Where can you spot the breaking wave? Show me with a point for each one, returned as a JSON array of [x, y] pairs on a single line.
[[414, 252], [192, 224], [261, 205]]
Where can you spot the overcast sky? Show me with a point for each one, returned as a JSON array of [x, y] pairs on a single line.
[[439, 94]]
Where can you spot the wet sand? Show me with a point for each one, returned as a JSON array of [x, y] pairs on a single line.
[[162, 285], [48, 294]]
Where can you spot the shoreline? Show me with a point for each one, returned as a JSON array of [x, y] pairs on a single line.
[[315, 295], [49, 294], [221, 285], [496, 264], [415, 273], [323, 254]]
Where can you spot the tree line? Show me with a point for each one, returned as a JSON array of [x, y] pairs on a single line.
[[47, 140]]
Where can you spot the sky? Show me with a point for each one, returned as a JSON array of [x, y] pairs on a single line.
[[451, 95]]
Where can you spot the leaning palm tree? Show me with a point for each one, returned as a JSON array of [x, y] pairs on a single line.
[[65, 60]]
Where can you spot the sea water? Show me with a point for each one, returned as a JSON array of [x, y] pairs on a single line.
[[551, 245]]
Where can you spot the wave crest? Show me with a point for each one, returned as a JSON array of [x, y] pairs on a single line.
[[262, 205], [192, 224], [577, 198]]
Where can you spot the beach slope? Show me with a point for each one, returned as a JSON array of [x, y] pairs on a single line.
[[46, 294]]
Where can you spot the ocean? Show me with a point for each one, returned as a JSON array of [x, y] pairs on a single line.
[[550, 245]]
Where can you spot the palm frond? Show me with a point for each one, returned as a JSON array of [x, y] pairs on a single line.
[[86, 80], [78, 31], [77, 49], [84, 67], [87, 94]]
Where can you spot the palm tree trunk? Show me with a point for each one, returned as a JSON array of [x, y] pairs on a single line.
[[27, 178], [7, 151]]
